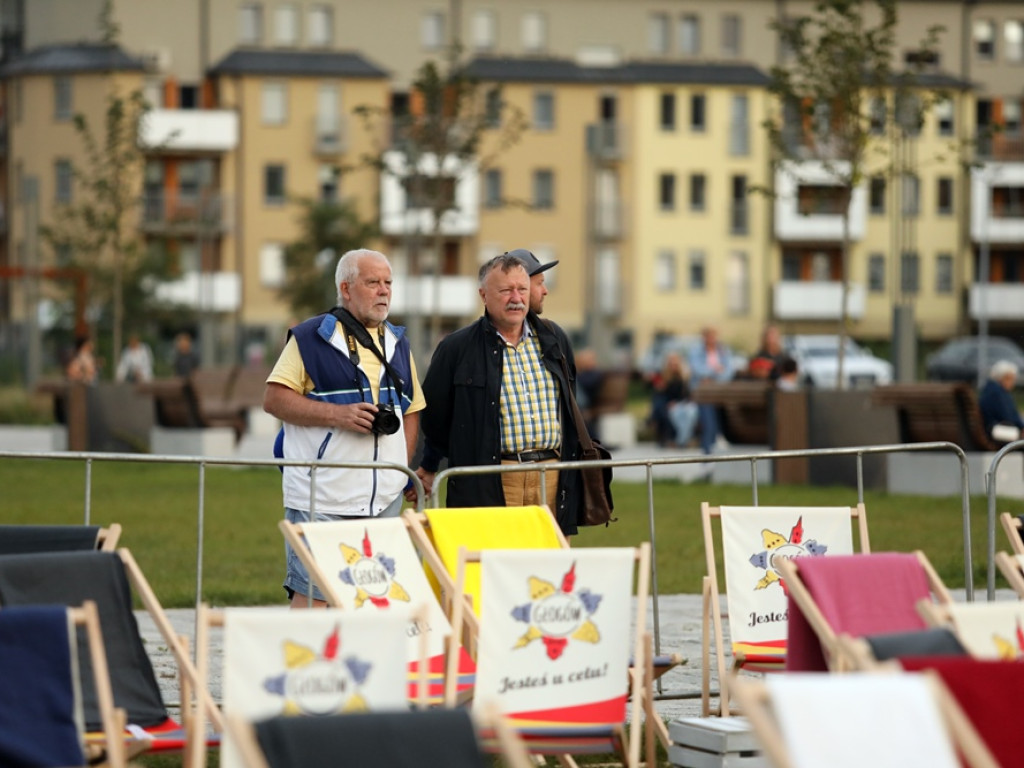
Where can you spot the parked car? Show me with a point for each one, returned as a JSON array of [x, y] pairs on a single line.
[[960, 359], [817, 358], [653, 360]]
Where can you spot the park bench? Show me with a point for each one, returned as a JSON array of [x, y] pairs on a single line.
[[936, 411], [200, 400], [743, 409]]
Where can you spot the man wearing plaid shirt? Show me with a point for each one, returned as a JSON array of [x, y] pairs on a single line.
[[497, 394]]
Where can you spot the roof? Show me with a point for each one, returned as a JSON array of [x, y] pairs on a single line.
[[297, 64], [544, 70], [72, 59]]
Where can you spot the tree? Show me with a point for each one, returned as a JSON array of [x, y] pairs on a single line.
[[841, 66], [328, 229], [454, 127]]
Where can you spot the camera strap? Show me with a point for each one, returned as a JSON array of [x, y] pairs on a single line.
[[356, 331]]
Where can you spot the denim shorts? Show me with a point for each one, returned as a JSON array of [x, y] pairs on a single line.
[[296, 577]]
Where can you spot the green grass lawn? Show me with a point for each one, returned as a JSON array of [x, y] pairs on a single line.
[[243, 558]]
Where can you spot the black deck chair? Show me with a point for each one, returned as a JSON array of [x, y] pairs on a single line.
[[26, 539]]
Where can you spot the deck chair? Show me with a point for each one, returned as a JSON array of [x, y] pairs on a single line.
[[988, 692], [282, 662], [986, 630], [71, 578], [883, 720], [753, 541], [554, 644], [25, 539], [370, 565], [856, 595], [41, 718], [438, 737], [1012, 527], [1012, 568]]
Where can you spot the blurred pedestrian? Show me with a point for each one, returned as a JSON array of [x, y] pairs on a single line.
[[673, 413], [136, 363], [765, 362], [185, 358], [82, 368], [998, 408], [709, 361]]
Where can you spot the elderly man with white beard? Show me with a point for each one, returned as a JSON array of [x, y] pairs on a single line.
[[497, 393]]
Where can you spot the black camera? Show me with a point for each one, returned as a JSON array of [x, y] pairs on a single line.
[[385, 422]]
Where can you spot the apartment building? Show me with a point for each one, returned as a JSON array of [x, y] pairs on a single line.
[[645, 138]]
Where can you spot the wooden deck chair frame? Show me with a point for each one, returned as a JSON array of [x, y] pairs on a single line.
[[510, 746], [109, 537], [752, 695], [1011, 568], [799, 593], [712, 620], [640, 674], [1012, 527]]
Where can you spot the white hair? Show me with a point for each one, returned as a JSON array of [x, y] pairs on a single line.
[[1003, 368], [348, 267]]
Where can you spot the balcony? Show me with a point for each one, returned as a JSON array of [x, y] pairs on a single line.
[[997, 203], [798, 218], [608, 221], [407, 199], [189, 130], [1001, 148], [186, 214], [605, 141], [203, 292], [330, 136], [451, 296], [1002, 301], [817, 300]]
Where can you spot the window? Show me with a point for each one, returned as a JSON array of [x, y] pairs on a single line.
[[534, 32], [275, 103], [188, 96], [984, 39], [909, 113], [153, 92], [321, 26], [739, 127], [697, 270], [272, 269], [667, 191], [544, 189], [543, 111], [945, 195], [1011, 117], [911, 188], [492, 188], [944, 273], [286, 24], [910, 278], [657, 33], [876, 195], [62, 182], [329, 177], [689, 35], [876, 273], [492, 108], [484, 31], [667, 112], [432, 30], [665, 271], [1013, 40], [19, 100], [944, 117], [62, 99], [188, 181], [422, 191], [878, 116], [820, 200], [698, 191], [737, 283], [250, 17], [732, 35], [738, 213], [273, 184], [698, 116], [328, 126]]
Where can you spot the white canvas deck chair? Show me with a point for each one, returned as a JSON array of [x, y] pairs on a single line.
[[370, 566], [554, 646], [280, 662], [881, 719], [41, 717], [986, 630], [1012, 527], [753, 541]]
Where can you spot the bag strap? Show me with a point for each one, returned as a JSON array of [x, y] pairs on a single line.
[[581, 426]]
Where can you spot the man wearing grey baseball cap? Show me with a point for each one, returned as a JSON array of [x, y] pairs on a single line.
[[536, 271]]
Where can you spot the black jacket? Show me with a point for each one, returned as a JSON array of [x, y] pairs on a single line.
[[462, 418]]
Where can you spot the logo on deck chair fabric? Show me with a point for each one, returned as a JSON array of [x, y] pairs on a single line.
[[778, 547], [373, 576], [558, 614], [1008, 650], [320, 683]]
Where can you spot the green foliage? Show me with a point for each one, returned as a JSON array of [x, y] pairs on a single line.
[[328, 230]]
